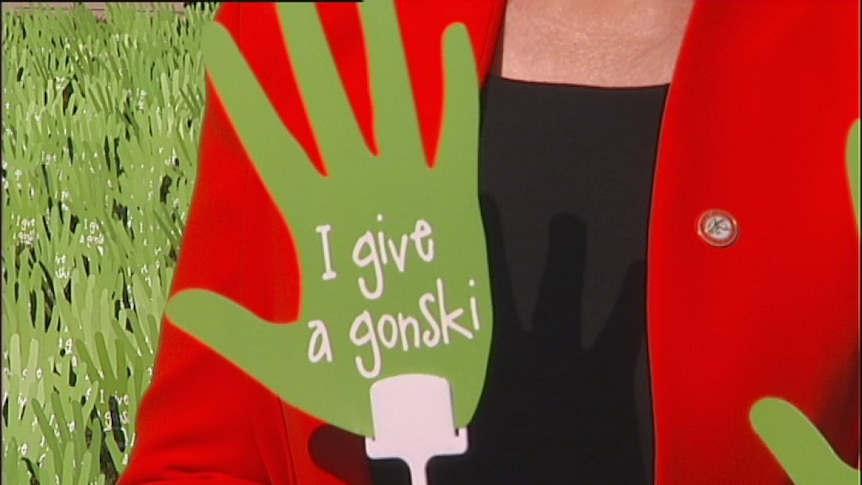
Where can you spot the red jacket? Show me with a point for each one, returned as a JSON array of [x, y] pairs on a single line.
[[756, 124]]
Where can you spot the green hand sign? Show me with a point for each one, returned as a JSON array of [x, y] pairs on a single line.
[[853, 166], [797, 444], [392, 252], [791, 437]]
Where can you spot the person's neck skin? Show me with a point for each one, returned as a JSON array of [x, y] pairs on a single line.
[[608, 43]]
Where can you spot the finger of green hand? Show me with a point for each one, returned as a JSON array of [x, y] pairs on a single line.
[[276, 154], [396, 121], [798, 446], [323, 94], [853, 166], [459, 138]]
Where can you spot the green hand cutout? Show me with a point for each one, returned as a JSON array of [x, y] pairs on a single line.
[[853, 166], [797, 444], [392, 253]]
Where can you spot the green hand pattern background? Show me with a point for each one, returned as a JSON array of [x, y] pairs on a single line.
[[383, 234]]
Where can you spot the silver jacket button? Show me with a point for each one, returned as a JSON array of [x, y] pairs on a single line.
[[718, 228]]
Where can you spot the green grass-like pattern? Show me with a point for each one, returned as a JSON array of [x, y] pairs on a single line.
[[101, 123]]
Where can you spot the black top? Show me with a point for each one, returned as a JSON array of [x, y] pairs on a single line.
[[566, 178]]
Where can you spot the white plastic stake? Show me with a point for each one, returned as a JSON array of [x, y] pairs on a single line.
[[414, 421]]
